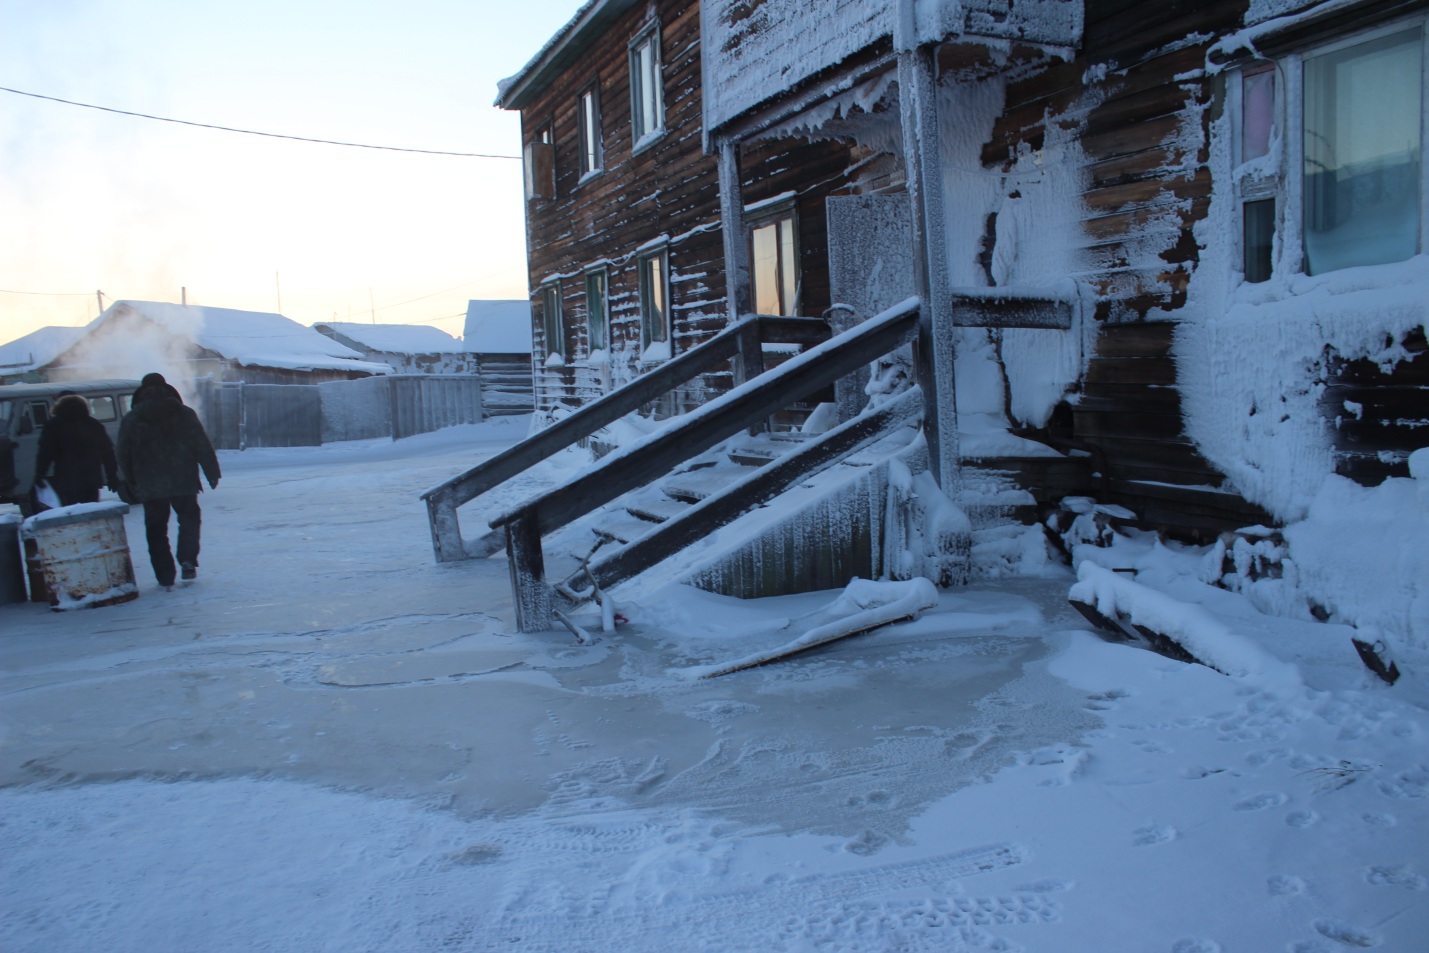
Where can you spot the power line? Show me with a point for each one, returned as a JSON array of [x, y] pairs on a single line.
[[50, 294], [252, 132]]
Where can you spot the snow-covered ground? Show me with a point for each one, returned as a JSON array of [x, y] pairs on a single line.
[[331, 743]]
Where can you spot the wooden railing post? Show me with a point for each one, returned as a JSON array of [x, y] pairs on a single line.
[[446, 530], [529, 593]]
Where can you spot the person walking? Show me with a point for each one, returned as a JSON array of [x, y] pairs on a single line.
[[162, 447], [75, 453]]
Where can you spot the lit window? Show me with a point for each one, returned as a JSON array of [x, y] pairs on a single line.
[[597, 310], [654, 299], [647, 96], [588, 120], [774, 266], [552, 320]]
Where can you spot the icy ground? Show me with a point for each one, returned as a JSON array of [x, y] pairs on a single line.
[[330, 743]]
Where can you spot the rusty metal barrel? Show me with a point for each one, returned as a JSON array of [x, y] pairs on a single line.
[[12, 563], [82, 553]]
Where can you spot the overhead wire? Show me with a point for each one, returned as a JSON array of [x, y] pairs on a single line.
[[254, 132]]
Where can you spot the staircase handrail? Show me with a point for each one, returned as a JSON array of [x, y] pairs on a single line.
[[657, 453], [444, 499]]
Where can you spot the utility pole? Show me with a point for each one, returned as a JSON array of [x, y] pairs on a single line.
[[184, 296], [99, 296], [279, 285], [372, 304]]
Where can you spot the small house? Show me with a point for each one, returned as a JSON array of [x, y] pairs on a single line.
[[406, 348], [498, 335]]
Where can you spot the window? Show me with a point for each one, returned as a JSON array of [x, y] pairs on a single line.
[[1329, 151], [102, 408], [588, 121], [655, 305], [597, 312], [774, 264], [647, 94], [553, 323], [540, 165], [1363, 112]]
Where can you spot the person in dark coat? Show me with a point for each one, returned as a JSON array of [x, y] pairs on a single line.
[[75, 453], [162, 447]]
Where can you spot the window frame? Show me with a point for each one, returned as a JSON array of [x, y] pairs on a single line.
[[641, 137], [785, 210], [591, 145], [1285, 182], [553, 319], [660, 255], [600, 342]]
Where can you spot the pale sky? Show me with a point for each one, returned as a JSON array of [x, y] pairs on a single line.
[[139, 209]]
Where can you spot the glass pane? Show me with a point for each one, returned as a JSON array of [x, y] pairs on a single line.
[[555, 331], [646, 91], [764, 269], [1257, 113], [595, 310], [788, 267], [590, 135], [1258, 238], [1363, 114], [101, 408], [652, 299]]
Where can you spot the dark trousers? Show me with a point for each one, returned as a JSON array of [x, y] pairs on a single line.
[[156, 531]]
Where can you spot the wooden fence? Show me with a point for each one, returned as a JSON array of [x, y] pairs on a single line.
[[238, 416]]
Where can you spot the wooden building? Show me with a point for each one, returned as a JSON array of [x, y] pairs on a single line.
[[1233, 213], [624, 225]]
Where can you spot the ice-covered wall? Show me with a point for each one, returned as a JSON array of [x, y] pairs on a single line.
[[1034, 209], [755, 50]]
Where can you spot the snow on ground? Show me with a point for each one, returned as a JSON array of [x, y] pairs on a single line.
[[331, 743]]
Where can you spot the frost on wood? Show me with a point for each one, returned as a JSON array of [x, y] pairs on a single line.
[[1205, 636]]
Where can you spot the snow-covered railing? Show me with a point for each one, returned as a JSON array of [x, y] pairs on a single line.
[[740, 341], [637, 464]]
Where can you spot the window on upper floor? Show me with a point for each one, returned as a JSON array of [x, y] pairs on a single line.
[[647, 93], [540, 165], [774, 262], [654, 281], [553, 322], [1329, 167], [588, 122], [597, 309]]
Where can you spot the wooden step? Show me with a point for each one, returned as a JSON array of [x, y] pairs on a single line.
[[696, 485], [621, 527], [657, 509]]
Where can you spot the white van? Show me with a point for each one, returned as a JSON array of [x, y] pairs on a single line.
[[24, 409]]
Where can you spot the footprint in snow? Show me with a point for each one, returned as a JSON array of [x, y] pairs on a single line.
[[1285, 886], [1379, 819], [1262, 801], [1154, 834], [1401, 875], [1346, 933], [1302, 819], [1196, 944]]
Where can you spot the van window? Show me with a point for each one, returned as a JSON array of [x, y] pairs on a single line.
[[101, 408], [40, 412], [4, 410], [126, 403]]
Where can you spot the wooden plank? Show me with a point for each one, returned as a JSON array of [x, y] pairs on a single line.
[[1142, 339], [718, 420], [999, 308], [531, 595], [724, 507], [1129, 371]]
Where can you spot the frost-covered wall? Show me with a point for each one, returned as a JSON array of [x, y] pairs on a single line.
[[757, 49], [1013, 224]]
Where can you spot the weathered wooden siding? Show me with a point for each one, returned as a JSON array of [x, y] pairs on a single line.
[[667, 189]]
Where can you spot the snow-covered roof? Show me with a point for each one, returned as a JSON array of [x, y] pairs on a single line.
[[37, 348], [395, 338], [589, 23], [249, 338], [498, 327]]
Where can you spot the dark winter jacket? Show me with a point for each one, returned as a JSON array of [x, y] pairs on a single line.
[[162, 445], [79, 449]]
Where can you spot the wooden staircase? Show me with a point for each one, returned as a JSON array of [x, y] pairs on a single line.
[[655, 526]]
